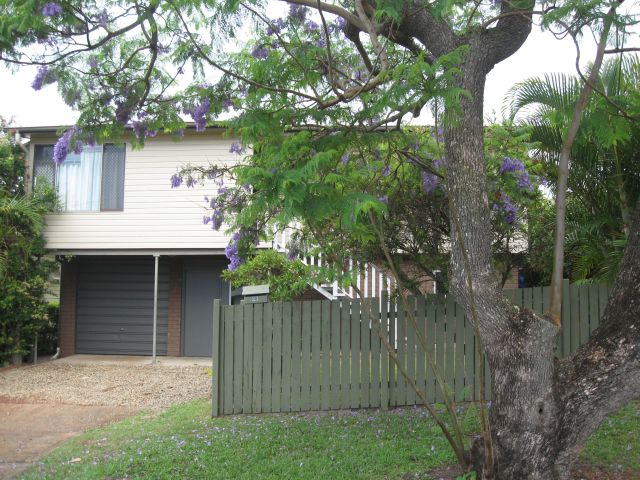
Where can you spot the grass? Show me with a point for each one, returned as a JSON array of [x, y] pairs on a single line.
[[184, 443]]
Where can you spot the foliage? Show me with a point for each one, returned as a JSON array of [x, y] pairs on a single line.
[[603, 179], [24, 269], [286, 278]]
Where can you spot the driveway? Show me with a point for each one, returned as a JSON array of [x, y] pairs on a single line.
[[41, 406]]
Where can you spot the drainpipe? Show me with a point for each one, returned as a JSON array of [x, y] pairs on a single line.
[[156, 257]]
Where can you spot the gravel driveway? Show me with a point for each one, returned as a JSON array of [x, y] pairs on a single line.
[[142, 386]]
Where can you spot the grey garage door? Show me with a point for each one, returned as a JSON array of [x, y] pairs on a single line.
[[202, 283], [115, 306]]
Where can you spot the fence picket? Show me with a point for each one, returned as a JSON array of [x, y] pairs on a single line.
[[411, 348], [238, 339], [345, 345], [305, 379], [315, 318], [420, 355], [354, 355], [365, 350], [296, 356], [335, 354], [267, 349], [393, 369], [227, 404], [276, 388], [247, 380], [326, 354], [384, 354], [285, 399], [375, 395], [258, 345]]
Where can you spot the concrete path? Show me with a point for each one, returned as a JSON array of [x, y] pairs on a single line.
[[84, 359], [30, 431]]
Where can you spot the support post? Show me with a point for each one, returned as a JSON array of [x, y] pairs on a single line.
[[156, 258], [216, 363]]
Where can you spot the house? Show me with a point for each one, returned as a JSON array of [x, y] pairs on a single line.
[[119, 221]]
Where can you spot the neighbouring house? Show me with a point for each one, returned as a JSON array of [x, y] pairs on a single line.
[[118, 219]]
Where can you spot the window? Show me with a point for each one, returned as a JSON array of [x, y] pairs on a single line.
[[90, 181]]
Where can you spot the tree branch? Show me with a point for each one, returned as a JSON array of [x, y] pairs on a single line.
[[563, 171]]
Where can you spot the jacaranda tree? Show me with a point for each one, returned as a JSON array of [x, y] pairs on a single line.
[[323, 80]]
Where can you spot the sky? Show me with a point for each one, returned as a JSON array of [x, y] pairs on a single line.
[[540, 54]]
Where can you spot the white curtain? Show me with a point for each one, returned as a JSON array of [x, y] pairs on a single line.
[[79, 179]]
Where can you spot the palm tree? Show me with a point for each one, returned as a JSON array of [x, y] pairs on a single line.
[[604, 175]]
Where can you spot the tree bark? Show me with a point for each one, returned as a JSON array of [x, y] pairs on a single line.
[[543, 409]]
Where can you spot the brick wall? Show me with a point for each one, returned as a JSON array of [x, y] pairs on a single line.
[[68, 295], [174, 340]]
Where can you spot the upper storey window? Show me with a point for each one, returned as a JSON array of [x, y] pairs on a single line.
[[90, 181]]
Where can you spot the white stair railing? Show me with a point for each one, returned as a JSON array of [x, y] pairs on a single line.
[[369, 280]]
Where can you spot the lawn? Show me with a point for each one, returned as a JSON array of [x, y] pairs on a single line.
[[185, 443]]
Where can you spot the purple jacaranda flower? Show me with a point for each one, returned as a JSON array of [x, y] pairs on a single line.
[[321, 42], [93, 62], [234, 263], [292, 254], [103, 18], [39, 80], [429, 182], [511, 165], [199, 114], [190, 182], [176, 180], [206, 219], [298, 12], [275, 27], [524, 182], [77, 147], [216, 219], [339, 24], [415, 146], [235, 148], [510, 210], [223, 190], [61, 148], [260, 53], [123, 113], [227, 104], [311, 26], [345, 159], [51, 9], [384, 199], [386, 171]]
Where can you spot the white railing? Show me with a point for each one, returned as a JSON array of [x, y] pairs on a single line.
[[370, 281]]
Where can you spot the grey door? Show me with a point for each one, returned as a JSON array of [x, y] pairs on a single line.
[[114, 313], [202, 284]]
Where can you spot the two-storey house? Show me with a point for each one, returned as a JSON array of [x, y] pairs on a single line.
[[134, 251]]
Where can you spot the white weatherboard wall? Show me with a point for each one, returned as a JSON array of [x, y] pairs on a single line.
[[155, 216]]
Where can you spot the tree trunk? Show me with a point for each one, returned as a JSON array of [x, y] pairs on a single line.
[[543, 409]]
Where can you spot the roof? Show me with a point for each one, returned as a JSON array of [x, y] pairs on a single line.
[[54, 129]]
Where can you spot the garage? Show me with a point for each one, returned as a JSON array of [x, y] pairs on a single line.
[[114, 310]]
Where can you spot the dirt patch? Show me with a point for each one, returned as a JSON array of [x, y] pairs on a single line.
[[580, 472], [43, 405], [143, 386], [28, 431]]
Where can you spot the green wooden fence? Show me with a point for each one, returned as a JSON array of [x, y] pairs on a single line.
[[325, 355]]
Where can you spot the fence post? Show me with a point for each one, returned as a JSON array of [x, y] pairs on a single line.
[[216, 361]]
